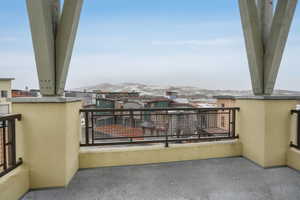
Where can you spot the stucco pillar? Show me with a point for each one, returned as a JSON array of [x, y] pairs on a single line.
[[264, 126], [50, 129]]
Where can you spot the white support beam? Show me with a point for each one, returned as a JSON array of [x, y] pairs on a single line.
[[266, 36], [265, 13], [66, 35], [55, 15], [53, 36], [254, 44], [41, 20], [281, 24]]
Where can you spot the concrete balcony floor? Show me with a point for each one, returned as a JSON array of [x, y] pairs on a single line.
[[222, 179]]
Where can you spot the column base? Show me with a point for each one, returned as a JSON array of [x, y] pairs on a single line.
[[50, 129], [264, 126]]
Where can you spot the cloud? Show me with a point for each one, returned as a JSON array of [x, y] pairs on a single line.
[[208, 68], [208, 42], [21, 66]]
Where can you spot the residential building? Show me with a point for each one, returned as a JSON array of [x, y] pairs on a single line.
[[88, 98], [222, 102], [25, 93], [225, 101], [5, 95]]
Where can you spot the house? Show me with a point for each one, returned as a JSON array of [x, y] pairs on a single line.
[[88, 98], [24, 93], [5, 95], [159, 103], [225, 101]]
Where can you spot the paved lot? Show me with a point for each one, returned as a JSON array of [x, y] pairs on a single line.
[[222, 179]]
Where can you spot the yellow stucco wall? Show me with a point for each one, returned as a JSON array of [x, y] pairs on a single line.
[[96, 157], [73, 130], [293, 158], [264, 127], [50, 144], [251, 127], [15, 184]]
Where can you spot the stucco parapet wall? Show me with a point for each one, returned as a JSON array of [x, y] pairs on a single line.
[[14, 184], [293, 158], [267, 97], [45, 100], [91, 157]]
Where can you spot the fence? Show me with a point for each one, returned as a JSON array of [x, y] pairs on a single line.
[[297, 145], [8, 159], [160, 125]]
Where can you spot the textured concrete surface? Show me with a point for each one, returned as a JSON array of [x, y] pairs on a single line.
[[224, 179]]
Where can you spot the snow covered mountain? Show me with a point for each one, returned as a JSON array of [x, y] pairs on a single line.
[[183, 91]]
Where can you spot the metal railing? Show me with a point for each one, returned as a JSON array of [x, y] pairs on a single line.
[[157, 125], [8, 160], [297, 145]]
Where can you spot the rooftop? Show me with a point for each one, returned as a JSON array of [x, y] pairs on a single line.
[[226, 179]]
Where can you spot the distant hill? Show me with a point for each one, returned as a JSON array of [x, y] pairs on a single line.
[[183, 91]]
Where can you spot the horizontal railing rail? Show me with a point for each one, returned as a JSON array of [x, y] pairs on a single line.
[[159, 109], [8, 160], [157, 125], [292, 144]]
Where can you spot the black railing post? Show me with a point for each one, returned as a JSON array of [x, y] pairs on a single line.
[[4, 144], [12, 139], [132, 119], [167, 140], [233, 122], [93, 127], [229, 123], [298, 130], [86, 128]]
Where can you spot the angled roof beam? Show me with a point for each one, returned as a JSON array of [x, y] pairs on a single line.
[[42, 29], [65, 39], [280, 29], [254, 43], [53, 36], [265, 14]]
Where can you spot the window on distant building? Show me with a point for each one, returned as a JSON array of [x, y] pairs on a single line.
[[4, 94], [223, 121], [223, 105]]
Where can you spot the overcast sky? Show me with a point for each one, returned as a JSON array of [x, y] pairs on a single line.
[[193, 42]]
